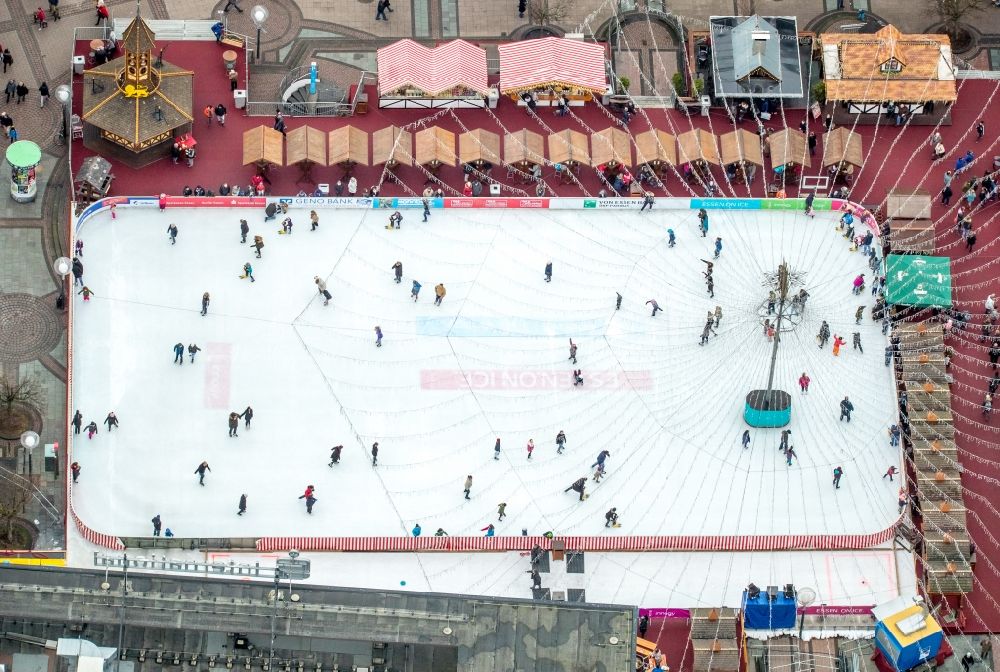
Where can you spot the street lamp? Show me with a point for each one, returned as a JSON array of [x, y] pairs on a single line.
[[259, 14], [806, 596], [65, 96], [62, 266], [29, 441]]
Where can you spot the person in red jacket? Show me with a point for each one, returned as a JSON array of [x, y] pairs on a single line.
[[804, 382], [308, 493]]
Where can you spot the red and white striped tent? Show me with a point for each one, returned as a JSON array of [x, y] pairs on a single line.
[[552, 61], [407, 64]]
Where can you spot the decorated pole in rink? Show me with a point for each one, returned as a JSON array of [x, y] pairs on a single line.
[[771, 407]]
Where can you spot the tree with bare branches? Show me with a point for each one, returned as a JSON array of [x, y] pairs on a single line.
[[955, 12], [15, 494], [547, 12], [27, 391]]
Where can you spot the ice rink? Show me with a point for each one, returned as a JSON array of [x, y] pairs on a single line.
[[490, 362]]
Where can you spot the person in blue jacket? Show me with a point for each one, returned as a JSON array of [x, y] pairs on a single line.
[[415, 292], [179, 353], [489, 530], [416, 530]]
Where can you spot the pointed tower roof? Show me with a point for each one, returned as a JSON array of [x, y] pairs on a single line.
[[138, 37]]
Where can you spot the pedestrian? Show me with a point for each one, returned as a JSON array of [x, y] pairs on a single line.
[[655, 305], [812, 143], [858, 314], [91, 429], [501, 511], [12, 135], [378, 336], [439, 292], [561, 438], [618, 301], [207, 113], [837, 474], [233, 80], [980, 130], [193, 349], [718, 247], [313, 220], [10, 91], [536, 578], [530, 447], [496, 449], [968, 660], [572, 350], [8, 60], [522, 6], [248, 272], [397, 269], [375, 454], [489, 530], [234, 424], [22, 92], [202, 468], [857, 342], [77, 421], [247, 416], [985, 647], [647, 201], [156, 525], [548, 272], [804, 383], [611, 517], [468, 485], [335, 455], [987, 407], [205, 300], [258, 244], [43, 94], [427, 208], [890, 472], [837, 342], [189, 154], [970, 240], [415, 291], [946, 195], [220, 114], [77, 272], [172, 232], [75, 469], [846, 407], [746, 439], [243, 505], [86, 293], [380, 11], [579, 485], [321, 286], [643, 625]]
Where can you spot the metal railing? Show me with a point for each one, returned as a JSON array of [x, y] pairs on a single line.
[[977, 74], [265, 108], [172, 29]]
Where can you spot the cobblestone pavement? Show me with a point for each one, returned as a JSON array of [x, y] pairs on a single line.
[[343, 37]]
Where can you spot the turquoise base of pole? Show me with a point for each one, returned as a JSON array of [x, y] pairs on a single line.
[[760, 411]]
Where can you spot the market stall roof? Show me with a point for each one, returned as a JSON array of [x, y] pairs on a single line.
[[263, 145], [756, 57], [741, 145], [523, 146], [552, 61], [479, 145], [306, 144], [842, 145], [434, 71], [789, 145], [916, 280], [566, 146], [347, 144], [697, 144], [655, 145], [392, 145], [902, 203], [888, 65], [436, 144], [610, 145]]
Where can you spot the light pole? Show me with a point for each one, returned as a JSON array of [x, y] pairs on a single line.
[[259, 14], [805, 596], [29, 441], [62, 266], [65, 96]]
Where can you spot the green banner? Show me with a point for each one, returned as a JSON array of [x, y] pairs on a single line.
[[918, 280]]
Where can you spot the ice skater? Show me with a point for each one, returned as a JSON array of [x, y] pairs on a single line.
[[91, 429], [655, 305], [313, 220], [858, 314], [824, 334], [415, 291], [703, 222], [496, 449], [111, 421], [439, 292], [244, 230], [205, 300], [79, 247], [647, 201], [468, 486], [530, 447], [258, 244], [846, 408], [310, 498], [427, 208], [286, 226], [335, 455], [577, 377], [560, 441], [234, 423], [375, 454], [837, 342], [489, 530], [611, 518], [501, 511], [77, 272], [857, 342], [837, 474], [890, 472], [548, 272], [790, 455], [397, 269], [247, 416], [321, 286], [172, 232], [86, 293], [77, 421], [193, 350], [378, 336], [718, 248], [179, 353], [572, 350], [746, 439], [894, 435], [202, 468], [783, 442], [804, 383], [618, 301], [710, 287], [718, 316], [395, 219], [247, 272], [671, 238], [243, 505], [579, 485]]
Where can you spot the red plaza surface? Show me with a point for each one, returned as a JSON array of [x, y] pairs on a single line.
[[894, 157]]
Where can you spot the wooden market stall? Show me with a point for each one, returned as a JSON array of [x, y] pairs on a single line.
[[263, 147], [568, 151], [435, 149], [742, 155], [453, 74], [549, 68], [306, 148], [612, 149], [392, 146], [908, 216], [843, 154], [656, 151], [789, 150], [480, 149], [696, 151], [347, 147], [524, 151]]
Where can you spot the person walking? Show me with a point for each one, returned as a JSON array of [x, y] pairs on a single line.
[[205, 300], [247, 416], [946, 195], [561, 440], [468, 485], [172, 232], [202, 468], [746, 439], [220, 114], [43, 94], [375, 454], [397, 270], [846, 408], [321, 286], [837, 474], [380, 10], [243, 505], [439, 292], [335, 455]]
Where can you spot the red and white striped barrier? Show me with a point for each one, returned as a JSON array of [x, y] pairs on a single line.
[[793, 542], [94, 537]]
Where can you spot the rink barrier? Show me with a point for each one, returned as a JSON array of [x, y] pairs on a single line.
[[795, 542], [409, 544]]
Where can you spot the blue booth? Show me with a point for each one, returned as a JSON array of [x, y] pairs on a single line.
[[906, 633], [768, 612], [762, 410]]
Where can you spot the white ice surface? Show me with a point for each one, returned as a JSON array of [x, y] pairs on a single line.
[[669, 411]]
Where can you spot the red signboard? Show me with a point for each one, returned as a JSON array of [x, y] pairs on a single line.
[[520, 203], [215, 202]]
